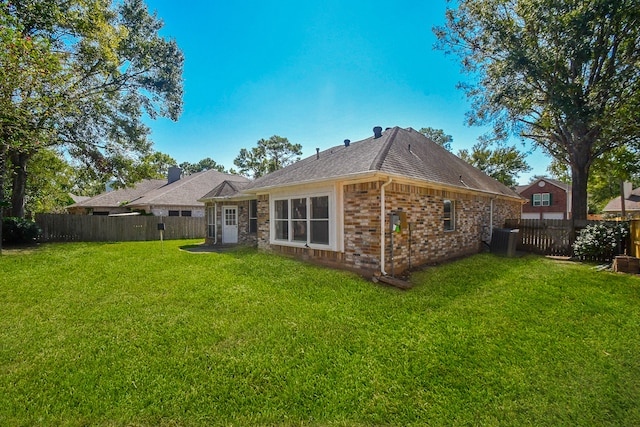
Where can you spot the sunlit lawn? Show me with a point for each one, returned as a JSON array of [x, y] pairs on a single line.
[[139, 334]]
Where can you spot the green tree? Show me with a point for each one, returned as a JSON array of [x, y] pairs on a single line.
[[438, 136], [563, 73], [268, 156], [502, 163], [82, 77], [203, 165]]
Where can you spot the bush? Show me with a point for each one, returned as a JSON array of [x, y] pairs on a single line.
[[602, 240], [16, 231]]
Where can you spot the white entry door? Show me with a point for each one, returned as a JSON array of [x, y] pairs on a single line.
[[230, 224]]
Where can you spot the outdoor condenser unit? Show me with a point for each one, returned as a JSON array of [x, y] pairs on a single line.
[[504, 241]]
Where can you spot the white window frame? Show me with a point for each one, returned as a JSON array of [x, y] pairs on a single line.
[[332, 220], [542, 199], [452, 215]]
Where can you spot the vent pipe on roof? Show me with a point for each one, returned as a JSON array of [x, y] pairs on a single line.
[[317, 153], [174, 174], [347, 142], [377, 132]]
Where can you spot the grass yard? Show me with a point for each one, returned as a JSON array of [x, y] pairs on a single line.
[[135, 334]]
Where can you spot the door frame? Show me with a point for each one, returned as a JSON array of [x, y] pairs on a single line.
[[225, 227]]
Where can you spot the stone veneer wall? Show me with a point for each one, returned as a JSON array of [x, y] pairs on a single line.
[[244, 237]]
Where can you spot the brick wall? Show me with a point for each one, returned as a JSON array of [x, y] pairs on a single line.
[[427, 242]]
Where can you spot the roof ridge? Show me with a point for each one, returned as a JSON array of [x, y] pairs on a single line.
[[384, 151]]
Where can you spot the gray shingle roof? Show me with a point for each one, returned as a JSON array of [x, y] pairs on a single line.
[[184, 192], [398, 152], [630, 204], [121, 196], [226, 188]]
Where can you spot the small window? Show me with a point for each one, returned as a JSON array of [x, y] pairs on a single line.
[[185, 213], [211, 221], [449, 215], [174, 213], [253, 216]]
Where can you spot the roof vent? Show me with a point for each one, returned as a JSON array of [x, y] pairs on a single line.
[[377, 132], [174, 174], [347, 142], [317, 153]]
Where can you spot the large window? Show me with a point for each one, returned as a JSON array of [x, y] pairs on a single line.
[[449, 215], [253, 216], [302, 220], [541, 199]]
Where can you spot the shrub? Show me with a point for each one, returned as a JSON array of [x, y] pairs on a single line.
[[17, 231], [601, 240]]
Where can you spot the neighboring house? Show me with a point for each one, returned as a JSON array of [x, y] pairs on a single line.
[[631, 203], [546, 199], [176, 196], [340, 205]]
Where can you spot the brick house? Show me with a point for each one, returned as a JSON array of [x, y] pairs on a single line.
[[546, 199], [345, 205]]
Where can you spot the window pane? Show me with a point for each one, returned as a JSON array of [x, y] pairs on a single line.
[[537, 199], [449, 223], [282, 230], [300, 231], [282, 209], [174, 213], [253, 225], [320, 232], [299, 208], [546, 198], [320, 207]]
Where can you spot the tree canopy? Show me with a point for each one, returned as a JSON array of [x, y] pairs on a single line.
[[563, 73], [503, 163], [438, 136], [267, 156], [77, 76]]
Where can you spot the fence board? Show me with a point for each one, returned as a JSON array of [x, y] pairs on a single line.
[[545, 236], [635, 238], [90, 228]]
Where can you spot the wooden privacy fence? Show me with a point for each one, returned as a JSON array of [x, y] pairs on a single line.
[[96, 228], [546, 236]]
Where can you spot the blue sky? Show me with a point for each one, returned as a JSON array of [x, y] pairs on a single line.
[[314, 72]]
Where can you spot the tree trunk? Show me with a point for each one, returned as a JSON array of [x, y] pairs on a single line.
[[579, 177], [19, 183]]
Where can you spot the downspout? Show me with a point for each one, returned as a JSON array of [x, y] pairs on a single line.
[[383, 226]]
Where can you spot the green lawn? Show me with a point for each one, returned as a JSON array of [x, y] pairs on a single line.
[[139, 334]]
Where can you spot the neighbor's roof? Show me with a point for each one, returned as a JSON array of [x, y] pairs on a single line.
[[184, 192], [632, 203], [121, 196], [398, 152], [562, 185]]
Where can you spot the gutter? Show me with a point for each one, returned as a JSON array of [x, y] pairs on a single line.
[[383, 225]]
